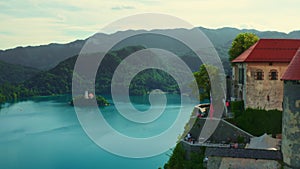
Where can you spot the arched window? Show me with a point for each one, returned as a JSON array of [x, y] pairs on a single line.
[[273, 74], [259, 75]]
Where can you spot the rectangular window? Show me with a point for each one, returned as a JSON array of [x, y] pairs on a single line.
[[241, 76], [259, 75], [273, 75]]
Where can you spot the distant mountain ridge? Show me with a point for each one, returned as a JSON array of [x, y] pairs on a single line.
[[45, 57], [42, 57]]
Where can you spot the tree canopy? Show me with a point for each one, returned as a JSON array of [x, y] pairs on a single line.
[[59, 79], [241, 43]]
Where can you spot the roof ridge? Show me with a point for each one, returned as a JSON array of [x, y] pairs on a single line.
[[290, 73], [279, 39], [270, 50], [250, 49]]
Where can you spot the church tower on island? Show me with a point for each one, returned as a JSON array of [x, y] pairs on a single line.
[[291, 114]]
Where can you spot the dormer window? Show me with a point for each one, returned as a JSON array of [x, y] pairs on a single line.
[[259, 75], [273, 75]]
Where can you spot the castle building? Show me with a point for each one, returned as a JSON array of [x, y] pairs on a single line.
[[291, 114], [266, 76], [257, 72]]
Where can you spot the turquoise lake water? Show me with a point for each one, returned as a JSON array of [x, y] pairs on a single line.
[[44, 133]]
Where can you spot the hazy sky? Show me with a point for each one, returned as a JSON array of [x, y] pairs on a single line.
[[35, 22]]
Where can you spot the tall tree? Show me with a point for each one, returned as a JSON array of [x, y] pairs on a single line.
[[204, 79], [241, 43], [2, 98]]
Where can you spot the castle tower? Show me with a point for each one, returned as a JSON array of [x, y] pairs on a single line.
[[86, 94], [291, 114]]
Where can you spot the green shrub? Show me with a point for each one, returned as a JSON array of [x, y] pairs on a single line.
[[240, 139], [257, 122], [237, 107]]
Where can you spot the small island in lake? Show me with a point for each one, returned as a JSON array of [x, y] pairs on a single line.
[[87, 100]]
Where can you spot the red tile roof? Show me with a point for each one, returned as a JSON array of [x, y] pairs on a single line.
[[293, 70], [270, 50]]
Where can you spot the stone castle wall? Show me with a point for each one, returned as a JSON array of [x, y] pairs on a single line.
[[291, 124], [265, 94], [238, 163]]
